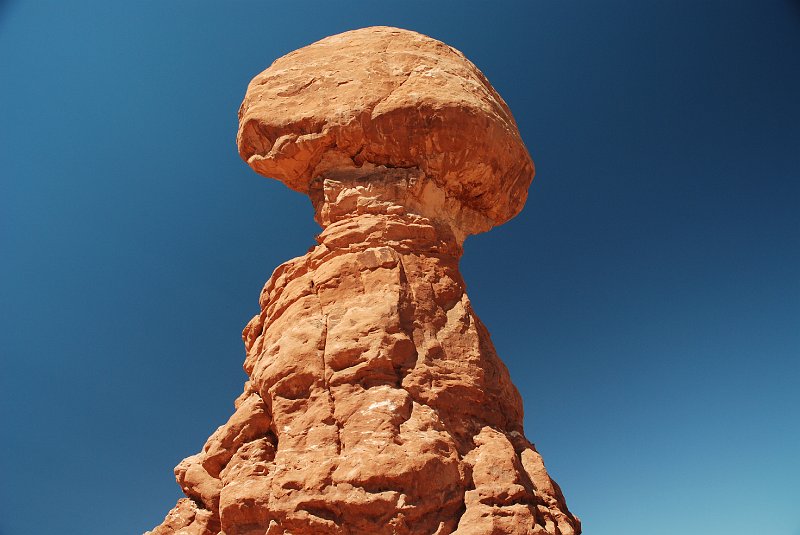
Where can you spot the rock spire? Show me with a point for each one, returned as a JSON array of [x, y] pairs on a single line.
[[376, 403]]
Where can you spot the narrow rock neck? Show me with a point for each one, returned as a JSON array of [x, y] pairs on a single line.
[[377, 206]]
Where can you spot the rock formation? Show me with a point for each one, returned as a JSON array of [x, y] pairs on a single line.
[[376, 403]]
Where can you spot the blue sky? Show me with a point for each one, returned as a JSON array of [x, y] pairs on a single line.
[[646, 301]]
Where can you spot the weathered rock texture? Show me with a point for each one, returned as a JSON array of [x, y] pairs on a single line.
[[376, 402]]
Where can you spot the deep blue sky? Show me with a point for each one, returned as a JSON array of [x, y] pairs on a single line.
[[646, 301]]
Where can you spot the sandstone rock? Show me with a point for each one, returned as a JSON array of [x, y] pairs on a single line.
[[376, 402], [388, 97], [186, 518]]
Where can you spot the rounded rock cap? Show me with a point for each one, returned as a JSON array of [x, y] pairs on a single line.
[[393, 98]]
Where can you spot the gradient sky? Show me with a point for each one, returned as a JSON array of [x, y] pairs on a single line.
[[646, 301]]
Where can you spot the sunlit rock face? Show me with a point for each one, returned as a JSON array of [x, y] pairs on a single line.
[[394, 98], [376, 403]]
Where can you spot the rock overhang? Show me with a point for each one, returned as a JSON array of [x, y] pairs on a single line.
[[388, 98]]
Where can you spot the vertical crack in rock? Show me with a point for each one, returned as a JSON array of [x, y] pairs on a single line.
[[326, 378], [376, 403], [406, 312]]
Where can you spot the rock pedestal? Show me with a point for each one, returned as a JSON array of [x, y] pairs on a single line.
[[376, 403]]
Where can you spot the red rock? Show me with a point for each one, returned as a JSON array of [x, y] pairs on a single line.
[[395, 98], [376, 402]]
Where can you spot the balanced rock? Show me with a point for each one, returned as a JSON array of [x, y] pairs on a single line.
[[391, 98], [376, 403]]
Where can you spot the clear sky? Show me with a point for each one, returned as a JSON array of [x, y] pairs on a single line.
[[646, 301]]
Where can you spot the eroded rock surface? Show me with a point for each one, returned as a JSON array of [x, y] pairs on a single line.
[[376, 403], [389, 97]]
